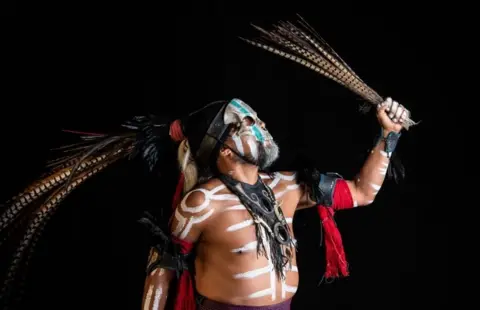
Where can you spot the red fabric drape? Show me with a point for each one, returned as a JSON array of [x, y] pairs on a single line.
[[185, 298], [334, 252]]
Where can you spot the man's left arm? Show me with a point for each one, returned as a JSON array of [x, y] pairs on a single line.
[[341, 194]]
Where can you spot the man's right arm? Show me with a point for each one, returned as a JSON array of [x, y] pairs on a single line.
[[156, 284], [190, 219]]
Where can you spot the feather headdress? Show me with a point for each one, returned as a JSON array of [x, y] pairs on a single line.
[[303, 45], [24, 217]]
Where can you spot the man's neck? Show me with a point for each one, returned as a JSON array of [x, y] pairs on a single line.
[[245, 173]]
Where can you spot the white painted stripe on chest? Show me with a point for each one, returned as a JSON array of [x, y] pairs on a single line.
[[247, 247], [240, 225], [288, 189], [279, 177], [236, 207], [267, 269], [209, 195]]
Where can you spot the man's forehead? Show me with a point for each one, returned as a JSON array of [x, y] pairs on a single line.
[[241, 107]]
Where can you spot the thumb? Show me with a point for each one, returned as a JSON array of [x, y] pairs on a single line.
[[381, 109]]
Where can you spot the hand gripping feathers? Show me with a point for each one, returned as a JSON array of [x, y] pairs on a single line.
[[303, 45]]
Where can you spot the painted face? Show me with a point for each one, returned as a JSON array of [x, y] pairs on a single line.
[[250, 136]]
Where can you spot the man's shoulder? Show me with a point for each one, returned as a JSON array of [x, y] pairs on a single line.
[[200, 194], [209, 185]]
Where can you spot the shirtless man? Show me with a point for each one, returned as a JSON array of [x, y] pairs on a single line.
[[216, 215]]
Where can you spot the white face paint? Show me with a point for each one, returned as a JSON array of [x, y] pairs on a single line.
[[253, 149], [238, 143], [251, 139], [237, 111]]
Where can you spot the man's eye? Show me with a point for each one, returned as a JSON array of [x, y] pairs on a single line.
[[249, 121]]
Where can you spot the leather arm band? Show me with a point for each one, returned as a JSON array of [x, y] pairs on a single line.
[[391, 141], [321, 185]]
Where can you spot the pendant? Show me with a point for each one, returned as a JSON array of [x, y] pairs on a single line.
[[280, 227]]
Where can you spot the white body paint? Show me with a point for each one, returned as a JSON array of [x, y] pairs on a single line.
[[185, 224], [271, 291], [158, 296], [238, 143], [252, 246], [385, 154], [148, 298], [253, 148]]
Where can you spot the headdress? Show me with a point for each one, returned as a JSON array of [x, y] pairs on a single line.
[[25, 215]]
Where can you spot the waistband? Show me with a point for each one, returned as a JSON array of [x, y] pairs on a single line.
[[207, 304]]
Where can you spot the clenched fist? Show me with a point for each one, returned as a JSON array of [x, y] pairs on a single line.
[[391, 115]]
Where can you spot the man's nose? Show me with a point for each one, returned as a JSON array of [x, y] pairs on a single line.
[[262, 125]]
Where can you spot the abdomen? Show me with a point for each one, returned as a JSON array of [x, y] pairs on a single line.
[[228, 269]]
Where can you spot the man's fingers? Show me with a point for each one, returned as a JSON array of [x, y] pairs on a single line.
[[393, 109], [398, 113], [388, 103]]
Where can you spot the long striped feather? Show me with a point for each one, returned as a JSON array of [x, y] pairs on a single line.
[[38, 222], [303, 45], [28, 212]]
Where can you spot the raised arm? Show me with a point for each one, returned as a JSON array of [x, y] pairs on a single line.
[[190, 218], [332, 190]]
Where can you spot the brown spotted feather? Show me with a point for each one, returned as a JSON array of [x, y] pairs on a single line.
[[302, 44]]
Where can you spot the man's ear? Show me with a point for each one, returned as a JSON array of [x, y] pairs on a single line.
[[225, 151]]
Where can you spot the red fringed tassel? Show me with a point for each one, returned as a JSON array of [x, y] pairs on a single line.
[[334, 252], [185, 299]]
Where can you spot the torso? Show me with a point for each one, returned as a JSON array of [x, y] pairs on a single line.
[[227, 267]]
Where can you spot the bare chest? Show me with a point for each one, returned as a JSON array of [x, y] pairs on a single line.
[[229, 250], [234, 226]]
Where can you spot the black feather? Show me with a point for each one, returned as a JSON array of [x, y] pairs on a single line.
[[396, 170], [151, 131]]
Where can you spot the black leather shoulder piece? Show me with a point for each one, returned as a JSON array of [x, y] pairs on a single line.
[[321, 185], [168, 257], [166, 254]]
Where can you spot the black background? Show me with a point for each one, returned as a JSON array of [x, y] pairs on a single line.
[[91, 75]]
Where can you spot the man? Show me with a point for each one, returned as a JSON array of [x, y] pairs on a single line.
[[239, 219]]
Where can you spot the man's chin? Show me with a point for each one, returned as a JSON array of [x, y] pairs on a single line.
[[269, 156]]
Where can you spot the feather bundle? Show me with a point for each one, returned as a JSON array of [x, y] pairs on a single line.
[[302, 44], [27, 213]]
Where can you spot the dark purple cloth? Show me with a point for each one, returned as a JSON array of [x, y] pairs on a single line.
[[208, 304]]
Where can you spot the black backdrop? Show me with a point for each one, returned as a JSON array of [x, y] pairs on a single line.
[[91, 76]]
